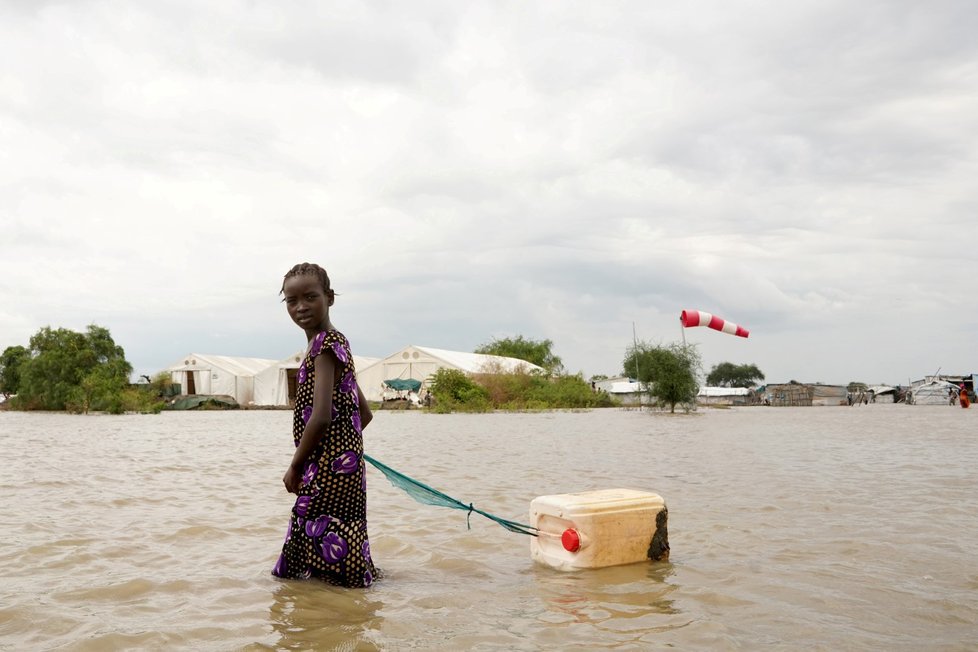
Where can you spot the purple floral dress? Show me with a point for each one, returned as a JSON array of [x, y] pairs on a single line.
[[327, 535]]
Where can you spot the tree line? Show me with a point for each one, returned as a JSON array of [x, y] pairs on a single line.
[[61, 369], [669, 374]]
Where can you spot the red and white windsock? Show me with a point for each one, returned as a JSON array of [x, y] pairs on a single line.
[[691, 318]]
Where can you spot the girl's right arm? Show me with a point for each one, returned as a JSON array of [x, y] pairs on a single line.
[[366, 414]]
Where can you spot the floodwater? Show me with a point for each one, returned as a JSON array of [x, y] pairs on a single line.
[[817, 528]]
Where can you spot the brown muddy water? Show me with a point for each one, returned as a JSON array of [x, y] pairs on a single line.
[[791, 528]]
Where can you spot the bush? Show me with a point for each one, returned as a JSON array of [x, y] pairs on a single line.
[[137, 399], [454, 391], [570, 391]]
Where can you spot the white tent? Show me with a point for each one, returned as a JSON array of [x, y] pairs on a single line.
[[420, 362], [275, 385], [200, 373], [723, 395], [714, 392], [934, 392], [272, 384], [624, 389]]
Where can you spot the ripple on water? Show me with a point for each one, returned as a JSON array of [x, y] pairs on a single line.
[[824, 528]]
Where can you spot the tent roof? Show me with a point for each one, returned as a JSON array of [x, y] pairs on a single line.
[[363, 361], [236, 366], [624, 387], [934, 384], [881, 389], [293, 361], [476, 362], [723, 391]]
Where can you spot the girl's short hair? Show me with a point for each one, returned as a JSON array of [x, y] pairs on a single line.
[[310, 269]]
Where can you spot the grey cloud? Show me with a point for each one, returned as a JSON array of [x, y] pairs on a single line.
[[482, 169]]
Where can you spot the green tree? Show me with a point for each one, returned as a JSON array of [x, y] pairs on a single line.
[[11, 361], [728, 374], [100, 389], [67, 369], [538, 352], [669, 372]]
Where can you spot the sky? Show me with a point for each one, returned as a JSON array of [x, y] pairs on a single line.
[[580, 172]]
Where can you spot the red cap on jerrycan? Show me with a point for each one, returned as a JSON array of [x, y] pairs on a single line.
[[571, 540]]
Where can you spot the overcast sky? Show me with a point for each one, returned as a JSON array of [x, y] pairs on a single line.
[[473, 170]]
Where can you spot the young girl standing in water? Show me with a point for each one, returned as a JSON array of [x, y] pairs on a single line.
[[327, 535]]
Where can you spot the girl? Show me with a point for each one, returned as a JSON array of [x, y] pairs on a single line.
[[327, 535]]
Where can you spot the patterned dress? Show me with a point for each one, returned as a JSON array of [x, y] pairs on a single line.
[[327, 535]]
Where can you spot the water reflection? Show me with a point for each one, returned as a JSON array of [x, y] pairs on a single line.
[[312, 615], [594, 596]]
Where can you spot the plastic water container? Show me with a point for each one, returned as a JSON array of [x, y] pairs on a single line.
[[600, 528]]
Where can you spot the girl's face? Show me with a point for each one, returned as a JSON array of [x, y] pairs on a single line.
[[308, 304]]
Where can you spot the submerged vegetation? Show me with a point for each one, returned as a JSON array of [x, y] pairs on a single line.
[[454, 391], [669, 373], [494, 388]]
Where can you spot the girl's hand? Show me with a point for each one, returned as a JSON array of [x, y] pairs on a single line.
[[292, 480]]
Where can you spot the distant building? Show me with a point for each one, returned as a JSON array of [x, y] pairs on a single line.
[[790, 395], [275, 385], [938, 390], [626, 391], [202, 373], [882, 394], [421, 362], [828, 394], [725, 396], [800, 394], [264, 382]]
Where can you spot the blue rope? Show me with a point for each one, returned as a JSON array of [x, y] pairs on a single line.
[[429, 496]]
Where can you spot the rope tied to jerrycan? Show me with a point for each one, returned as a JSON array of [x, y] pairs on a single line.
[[426, 495]]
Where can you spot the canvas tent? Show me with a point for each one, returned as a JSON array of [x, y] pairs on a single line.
[[724, 396], [200, 373], [420, 362], [626, 390], [933, 392], [275, 385]]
